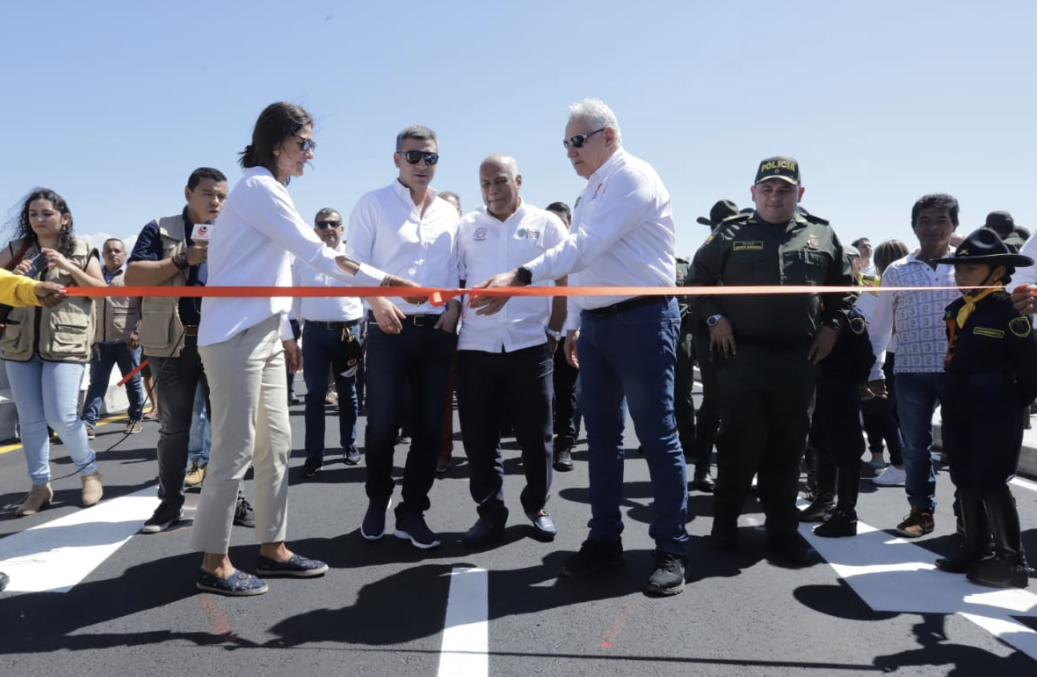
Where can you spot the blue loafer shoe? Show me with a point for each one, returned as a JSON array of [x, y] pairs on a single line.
[[544, 528], [297, 567], [238, 584]]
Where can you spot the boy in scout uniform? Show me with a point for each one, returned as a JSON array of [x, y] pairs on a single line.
[[768, 348], [989, 379]]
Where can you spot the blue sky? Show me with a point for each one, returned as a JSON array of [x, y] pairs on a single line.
[[112, 104]]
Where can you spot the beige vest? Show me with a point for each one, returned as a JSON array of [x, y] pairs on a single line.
[[66, 331], [161, 331], [117, 316]]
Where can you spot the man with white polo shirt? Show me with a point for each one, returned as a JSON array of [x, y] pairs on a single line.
[[330, 338], [505, 361], [404, 229], [622, 235]]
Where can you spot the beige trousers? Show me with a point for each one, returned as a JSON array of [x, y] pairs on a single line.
[[250, 426]]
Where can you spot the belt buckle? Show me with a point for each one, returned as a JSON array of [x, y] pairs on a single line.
[[423, 321]]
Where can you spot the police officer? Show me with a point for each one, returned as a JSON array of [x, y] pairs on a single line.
[[768, 348], [697, 442]]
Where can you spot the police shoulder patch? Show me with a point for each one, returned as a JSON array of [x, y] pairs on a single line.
[[857, 325], [1020, 326]]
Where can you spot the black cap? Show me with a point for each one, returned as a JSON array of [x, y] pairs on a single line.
[[985, 246], [779, 167], [1000, 222], [721, 210]]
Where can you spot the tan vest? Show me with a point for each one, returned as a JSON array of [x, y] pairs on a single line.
[[117, 316], [161, 331], [66, 331]]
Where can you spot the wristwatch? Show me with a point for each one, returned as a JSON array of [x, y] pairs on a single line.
[[712, 320], [556, 335], [525, 276]]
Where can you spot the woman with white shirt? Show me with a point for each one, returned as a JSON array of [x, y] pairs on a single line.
[[244, 343]]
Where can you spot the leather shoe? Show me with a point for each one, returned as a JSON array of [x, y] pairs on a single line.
[[483, 532], [705, 484], [544, 528], [563, 460], [792, 549]]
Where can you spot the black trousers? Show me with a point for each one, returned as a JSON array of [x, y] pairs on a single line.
[[766, 398], [708, 418], [565, 376], [519, 383]]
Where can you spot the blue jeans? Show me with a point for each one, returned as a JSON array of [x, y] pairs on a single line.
[[103, 357], [199, 439], [633, 352], [916, 401], [48, 393], [321, 350]]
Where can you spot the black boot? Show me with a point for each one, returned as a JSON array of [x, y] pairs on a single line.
[[1008, 569], [977, 536], [843, 521], [824, 501]]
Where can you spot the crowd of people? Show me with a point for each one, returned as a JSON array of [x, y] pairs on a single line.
[[784, 375]]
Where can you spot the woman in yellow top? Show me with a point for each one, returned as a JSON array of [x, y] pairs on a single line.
[[45, 350]]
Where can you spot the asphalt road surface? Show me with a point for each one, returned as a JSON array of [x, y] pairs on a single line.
[[89, 596]]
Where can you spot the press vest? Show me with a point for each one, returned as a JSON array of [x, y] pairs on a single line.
[[161, 332]]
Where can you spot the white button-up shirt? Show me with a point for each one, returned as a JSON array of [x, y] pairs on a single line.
[[250, 246], [332, 309], [622, 235], [486, 246], [388, 231], [917, 315], [1026, 274]]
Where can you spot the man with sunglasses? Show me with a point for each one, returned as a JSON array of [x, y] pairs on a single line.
[[330, 339], [622, 235], [405, 229]]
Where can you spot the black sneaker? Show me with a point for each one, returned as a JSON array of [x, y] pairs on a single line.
[[594, 557], [311, 469], [818, 510], [352, 455], [563, 460], [373, 526], [411, 526], [839, 524], [668, 577], [244, 516], [163, 518]]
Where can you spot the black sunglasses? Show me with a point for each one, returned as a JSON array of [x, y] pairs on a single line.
[[328, 224], [307, 144], [579, 140], [413, 157]]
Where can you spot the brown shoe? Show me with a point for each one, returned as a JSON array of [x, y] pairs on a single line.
[[195, 476], [918, 523], [134, 427], [92, 489], [39, 498]]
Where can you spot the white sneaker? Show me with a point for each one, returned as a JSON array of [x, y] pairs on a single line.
[[891, 476]]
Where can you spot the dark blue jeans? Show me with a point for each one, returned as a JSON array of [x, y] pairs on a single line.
[[917, 397], [418, 359], [633, 353], [103, 357], [321, 351]]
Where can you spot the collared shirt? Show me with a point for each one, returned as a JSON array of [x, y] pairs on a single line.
[[250, 245], [148, 247], [388, 231], [917, 315], [622, 235], [1026, 274], [333, 309], [486, 246]]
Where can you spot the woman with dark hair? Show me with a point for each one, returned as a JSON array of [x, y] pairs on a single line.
[[245, 342], [45, 350]]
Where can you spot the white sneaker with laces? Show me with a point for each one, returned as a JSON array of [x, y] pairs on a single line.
[[891, 476]]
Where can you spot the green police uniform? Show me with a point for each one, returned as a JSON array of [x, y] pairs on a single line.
[[767, 388]]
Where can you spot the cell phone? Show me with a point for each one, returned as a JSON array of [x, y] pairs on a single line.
[[39, 262]]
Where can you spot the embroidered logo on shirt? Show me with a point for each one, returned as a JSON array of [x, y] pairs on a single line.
[[857, 325], [521, 233], [812, 242], [990, 333], [597, 190], [479, 235], [746, 245], [1020, 326]]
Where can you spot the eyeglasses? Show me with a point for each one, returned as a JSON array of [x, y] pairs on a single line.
[[580, 140], [328, 224], [413, 157], [307, 144]]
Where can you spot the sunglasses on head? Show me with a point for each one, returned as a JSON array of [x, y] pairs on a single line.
[[413, 157], [328, 224], [306, 144], [580, 140]]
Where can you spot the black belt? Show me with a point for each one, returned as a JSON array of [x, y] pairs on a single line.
[[332, 325], [636, 302], [416, 320]]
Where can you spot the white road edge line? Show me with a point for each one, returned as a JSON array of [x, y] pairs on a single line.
[[466, 632], [1025, 484]]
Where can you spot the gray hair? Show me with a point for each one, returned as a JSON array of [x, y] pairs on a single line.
[[506, 161], [326, 211], [420, 132], [598, 113]]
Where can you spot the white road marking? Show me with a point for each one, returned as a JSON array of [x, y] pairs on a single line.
[[466, 633], [1025, 484], [892, 574], [58, 555]]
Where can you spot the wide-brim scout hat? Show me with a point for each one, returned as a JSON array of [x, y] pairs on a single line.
[[986, 246], [721, 210]]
